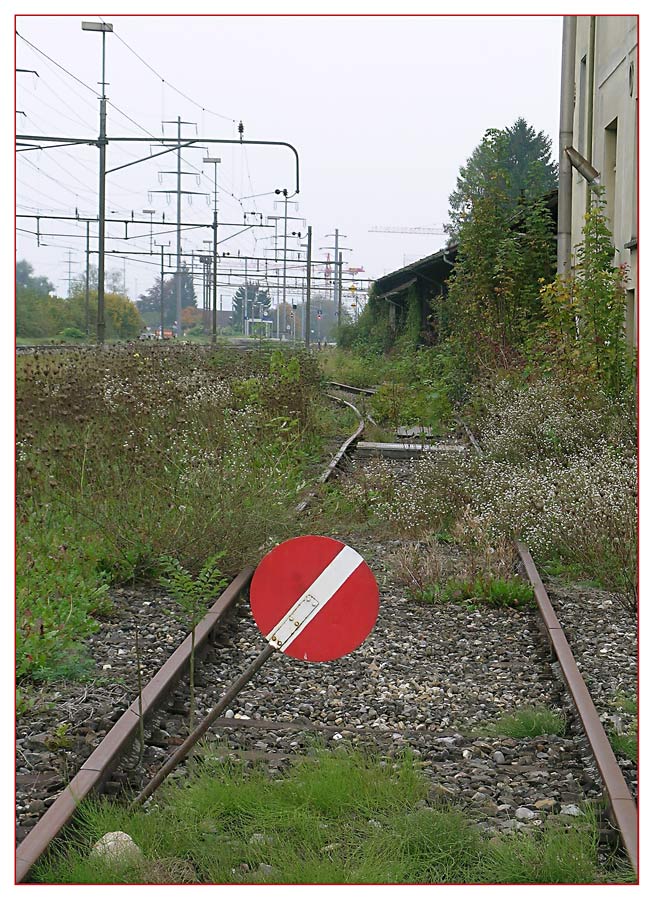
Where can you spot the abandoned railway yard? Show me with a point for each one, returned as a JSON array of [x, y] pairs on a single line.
[[457, 683], [326, 531]]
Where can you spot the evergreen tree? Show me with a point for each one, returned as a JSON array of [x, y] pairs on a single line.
[[149, 303], [516, 158], [26, 281], [258, 303]]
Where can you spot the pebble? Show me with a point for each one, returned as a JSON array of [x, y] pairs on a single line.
[[426, 679], [117, 847], [524, 814], [570, 810]]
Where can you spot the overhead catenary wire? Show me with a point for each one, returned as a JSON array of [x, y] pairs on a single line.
[[141, 128], [88, 87], [82, 192], [169, 84]]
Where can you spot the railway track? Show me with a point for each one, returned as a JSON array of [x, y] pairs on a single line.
[[410, 686]]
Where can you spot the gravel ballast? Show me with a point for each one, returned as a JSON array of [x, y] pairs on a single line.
[[428, 680]]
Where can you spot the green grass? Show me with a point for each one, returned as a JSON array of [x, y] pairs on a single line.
[[570, 572], [349, 368], [341, 817], [624, 745], [627, 704], [527, 722], [511, 593], [625, 742]]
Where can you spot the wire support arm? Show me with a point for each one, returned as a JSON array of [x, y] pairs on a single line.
[[197, 140]]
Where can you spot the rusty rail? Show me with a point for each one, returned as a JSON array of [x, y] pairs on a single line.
[[338, 456], [623, 808], [618, 795], [101, 762], [353, 390]]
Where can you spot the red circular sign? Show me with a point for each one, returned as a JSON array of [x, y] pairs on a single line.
[[314, 598]]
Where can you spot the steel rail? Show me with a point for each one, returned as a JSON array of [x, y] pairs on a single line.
[[105, 756], [622, 806], [353, 390], [337, 458], [102, 761]]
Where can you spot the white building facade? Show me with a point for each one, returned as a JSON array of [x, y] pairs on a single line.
[[605, 132]]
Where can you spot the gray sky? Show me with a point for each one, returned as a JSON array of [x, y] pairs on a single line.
[[383, 112]]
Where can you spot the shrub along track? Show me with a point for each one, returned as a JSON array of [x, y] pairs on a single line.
[[427, 681]]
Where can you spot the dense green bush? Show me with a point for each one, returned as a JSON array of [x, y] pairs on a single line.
[[40, 315], [75, 334]]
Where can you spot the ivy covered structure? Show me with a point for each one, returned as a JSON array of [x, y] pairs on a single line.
[[411, 299], [417, 301]]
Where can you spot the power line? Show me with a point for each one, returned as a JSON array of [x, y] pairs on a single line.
[[83, 83], [83, 99], [54, 62], [129, 118], [35, 96], [41, 193], [86, 189], [168, 83]]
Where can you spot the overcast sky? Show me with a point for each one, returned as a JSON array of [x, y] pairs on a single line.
[[382, 110]]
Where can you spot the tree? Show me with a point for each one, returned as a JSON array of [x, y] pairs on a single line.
[[27, 282], [39, 315], [149, 303], [517, 158], [121, 316], [192, 316], [583, 332], [258, 303], [114, 281], [78, 283], [505, 249]]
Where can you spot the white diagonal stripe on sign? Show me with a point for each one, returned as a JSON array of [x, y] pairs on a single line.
[[322, 590]]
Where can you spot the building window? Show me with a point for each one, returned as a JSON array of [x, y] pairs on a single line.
[[630, 318], [581, 122], [610, 162]]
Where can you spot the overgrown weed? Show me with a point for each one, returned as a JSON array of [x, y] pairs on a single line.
[[507, 593], [568, 492], [128, 454]]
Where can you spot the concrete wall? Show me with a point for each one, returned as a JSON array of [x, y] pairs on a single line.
[[606, 104]]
